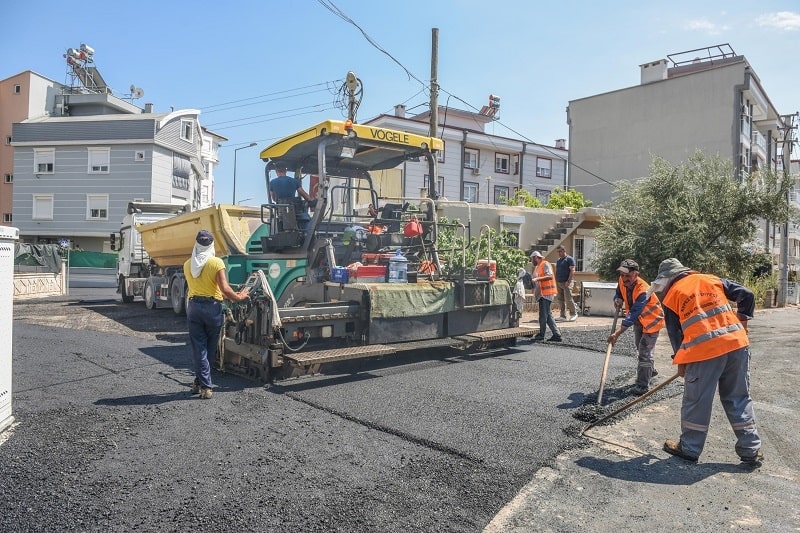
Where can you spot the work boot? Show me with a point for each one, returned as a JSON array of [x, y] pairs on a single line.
[[538, 338], [655, 372], [195, 387], [754, 461], [206, 394], [554, 338], [638, 390], [674, 448]]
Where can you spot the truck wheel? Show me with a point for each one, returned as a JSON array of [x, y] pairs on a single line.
[[126, 298], [149, 295], [177, 297]]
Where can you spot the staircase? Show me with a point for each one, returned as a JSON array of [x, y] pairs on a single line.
[[556, 235]]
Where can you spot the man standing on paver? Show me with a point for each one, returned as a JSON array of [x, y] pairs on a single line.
[[644, 313], [711, 350], [565, 272]]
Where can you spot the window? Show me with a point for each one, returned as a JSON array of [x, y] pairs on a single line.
[[17, 89], [42, 207], [7, 217], [501, 162], [583, 253], [96, 207], [9, 178], [138, 155], [515, 164], [543, 195], [470, 192], [439, 185], [181, 171], [99, 160], [471, 158], [500, 194], [187, 130], [8, 139], [440, 154], [44, 160], [543, 167]]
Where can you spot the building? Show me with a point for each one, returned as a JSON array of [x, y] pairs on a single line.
[[475, 166], [80, 154], [22, 96], [708, 99]]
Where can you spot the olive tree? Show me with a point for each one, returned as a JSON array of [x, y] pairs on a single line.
[[698, 212]]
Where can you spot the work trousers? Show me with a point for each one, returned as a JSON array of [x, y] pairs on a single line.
[[564, 299], [546, 318], [731, 373], [205, 325], [645, 346]]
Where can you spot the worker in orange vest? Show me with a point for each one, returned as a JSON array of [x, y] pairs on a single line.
[[711, 348], [544, 292], [644, 314]]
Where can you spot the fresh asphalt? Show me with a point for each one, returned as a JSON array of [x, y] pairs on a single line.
[[108, 438]]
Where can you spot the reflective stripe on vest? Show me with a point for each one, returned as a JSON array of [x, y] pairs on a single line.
[[710, 326], [546, 286]]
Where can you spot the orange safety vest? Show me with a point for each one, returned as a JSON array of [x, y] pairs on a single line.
[[710, 326], [546, 286], [652, 316]]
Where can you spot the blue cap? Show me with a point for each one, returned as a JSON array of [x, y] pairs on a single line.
[[204, 237]]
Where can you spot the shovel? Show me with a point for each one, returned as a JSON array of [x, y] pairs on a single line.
[[605, 363], [631, 404]]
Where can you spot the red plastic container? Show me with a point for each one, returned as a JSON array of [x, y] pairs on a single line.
[[371, 274]]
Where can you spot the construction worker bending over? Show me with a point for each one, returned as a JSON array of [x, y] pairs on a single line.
[[646, 317], [712, 351]]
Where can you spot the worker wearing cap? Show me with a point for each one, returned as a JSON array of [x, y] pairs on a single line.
[[544, 292], [208, 285], [285, 190], [712, 352], [644, 313]]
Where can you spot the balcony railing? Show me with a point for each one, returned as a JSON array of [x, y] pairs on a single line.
[[759, 140]]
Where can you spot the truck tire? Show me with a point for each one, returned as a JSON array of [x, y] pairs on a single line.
[[177, 295], [126, 298], [149, 294]]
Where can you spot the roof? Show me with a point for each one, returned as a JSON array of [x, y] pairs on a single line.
[[375, 148]]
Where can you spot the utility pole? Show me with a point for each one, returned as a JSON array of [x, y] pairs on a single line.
[[351, 82], [433, 180], [783, 272]]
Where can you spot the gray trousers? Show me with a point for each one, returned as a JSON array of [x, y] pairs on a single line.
[[645, 346], [731, 373]]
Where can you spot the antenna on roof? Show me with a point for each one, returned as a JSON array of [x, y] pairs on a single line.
[[136, 92]]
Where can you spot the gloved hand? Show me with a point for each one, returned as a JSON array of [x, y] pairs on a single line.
[[312, 203], [612, 339], [570, 284], [618, 303]]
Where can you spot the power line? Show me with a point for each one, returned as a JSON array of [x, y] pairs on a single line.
[[327, 84], [269, 114]]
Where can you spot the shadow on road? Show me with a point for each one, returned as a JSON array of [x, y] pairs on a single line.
[[651, 469]]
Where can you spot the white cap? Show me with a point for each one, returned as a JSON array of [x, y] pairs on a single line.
[[536, 253]]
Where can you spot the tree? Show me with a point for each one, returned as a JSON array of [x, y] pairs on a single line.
[[559, 199], [698, 212]]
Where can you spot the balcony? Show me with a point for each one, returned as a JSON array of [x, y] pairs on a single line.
[[759, 145]]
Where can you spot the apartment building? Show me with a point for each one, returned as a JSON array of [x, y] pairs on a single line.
[[23, 96], [476, 166], [76, 154], [708, 99]]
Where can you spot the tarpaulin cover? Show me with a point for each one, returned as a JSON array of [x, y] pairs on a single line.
[[43, 255], [389, 300]]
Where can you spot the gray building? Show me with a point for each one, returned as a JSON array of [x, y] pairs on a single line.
[[708, 99]]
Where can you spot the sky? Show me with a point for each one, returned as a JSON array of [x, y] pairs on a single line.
[[259, 70]]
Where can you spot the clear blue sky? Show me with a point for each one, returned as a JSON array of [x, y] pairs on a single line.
[[229, 59]]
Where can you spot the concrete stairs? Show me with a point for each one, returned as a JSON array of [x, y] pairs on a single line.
[[556, 234]]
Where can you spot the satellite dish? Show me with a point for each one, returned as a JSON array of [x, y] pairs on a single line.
[[138, 93], [133, 88]]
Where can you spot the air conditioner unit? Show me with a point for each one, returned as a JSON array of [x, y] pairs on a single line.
[[476, 171]]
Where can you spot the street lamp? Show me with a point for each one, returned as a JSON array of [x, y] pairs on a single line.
[[242, 201], [234, 168]]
